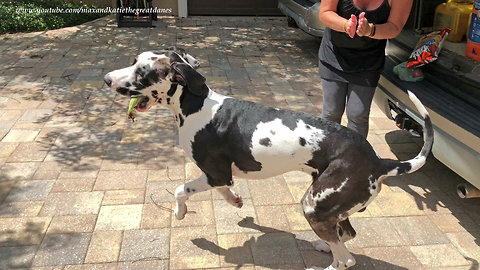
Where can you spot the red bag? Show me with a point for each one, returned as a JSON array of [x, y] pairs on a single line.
[[428, 48]]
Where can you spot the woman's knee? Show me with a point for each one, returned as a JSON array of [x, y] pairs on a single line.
[[358, 121], [358, 115], [332, 114], [334, 99], [358, 108]]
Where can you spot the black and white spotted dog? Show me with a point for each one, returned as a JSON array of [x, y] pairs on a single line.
[[228, 137]]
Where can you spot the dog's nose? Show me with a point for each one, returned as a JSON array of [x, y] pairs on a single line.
[[108, 80]]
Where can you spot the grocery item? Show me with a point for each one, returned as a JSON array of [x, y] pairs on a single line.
[[428, 48], [453, 14], [473, 37], [408, 74]]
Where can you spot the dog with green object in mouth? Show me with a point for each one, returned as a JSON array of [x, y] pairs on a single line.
[[228, 137], [131, 81]]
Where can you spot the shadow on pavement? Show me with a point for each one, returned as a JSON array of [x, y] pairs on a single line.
[[433, 187], [270, 243]]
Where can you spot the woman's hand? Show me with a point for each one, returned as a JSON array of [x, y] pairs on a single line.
[[364, 28], [351, 26], [329, 17]]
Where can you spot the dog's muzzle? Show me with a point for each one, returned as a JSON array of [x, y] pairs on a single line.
[[107, 80]]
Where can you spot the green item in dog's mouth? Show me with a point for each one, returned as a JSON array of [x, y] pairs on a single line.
[[131, 107]]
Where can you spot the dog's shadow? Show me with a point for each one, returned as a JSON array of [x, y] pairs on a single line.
[[434, 186], [277, 246]]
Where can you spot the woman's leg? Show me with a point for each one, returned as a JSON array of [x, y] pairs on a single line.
[[334, 99], [359, 100]]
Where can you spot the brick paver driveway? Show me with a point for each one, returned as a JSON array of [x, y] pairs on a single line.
[[81, 187]]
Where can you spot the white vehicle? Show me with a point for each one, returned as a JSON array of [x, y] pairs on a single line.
[[450, 91], [303, 14]]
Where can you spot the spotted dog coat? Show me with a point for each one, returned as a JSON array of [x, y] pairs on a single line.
[[228, 137]]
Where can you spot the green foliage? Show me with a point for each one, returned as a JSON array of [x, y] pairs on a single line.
[[12, 21]]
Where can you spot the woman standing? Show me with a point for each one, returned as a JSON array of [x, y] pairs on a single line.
[[352, 54]]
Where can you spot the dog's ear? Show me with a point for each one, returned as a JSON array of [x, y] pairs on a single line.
[[176, 49], [189, 77]]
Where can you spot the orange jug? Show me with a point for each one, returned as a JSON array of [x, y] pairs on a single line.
[[473, 37]]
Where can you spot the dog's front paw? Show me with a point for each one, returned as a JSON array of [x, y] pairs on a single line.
[[180, 211], [320, 245], [342, 265], [237, 201]]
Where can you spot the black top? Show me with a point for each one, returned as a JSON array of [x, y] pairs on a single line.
[[358, 60]]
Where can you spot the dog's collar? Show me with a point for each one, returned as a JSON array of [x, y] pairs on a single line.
[[173, 89]]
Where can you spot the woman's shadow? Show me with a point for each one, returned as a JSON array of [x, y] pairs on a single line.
[[277, 249]]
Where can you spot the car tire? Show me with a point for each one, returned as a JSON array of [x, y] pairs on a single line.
[[291, 22]]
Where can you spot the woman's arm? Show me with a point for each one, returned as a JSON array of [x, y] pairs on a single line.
[[329, 17], [400, 9]]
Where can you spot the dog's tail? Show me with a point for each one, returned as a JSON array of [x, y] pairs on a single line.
[[396, 167]]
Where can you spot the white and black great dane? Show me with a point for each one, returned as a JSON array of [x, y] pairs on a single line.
[[229, 137]]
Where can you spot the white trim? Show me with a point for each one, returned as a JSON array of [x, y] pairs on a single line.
[[182, 8]]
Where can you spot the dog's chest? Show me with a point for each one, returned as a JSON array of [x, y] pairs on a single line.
[[198, 121]]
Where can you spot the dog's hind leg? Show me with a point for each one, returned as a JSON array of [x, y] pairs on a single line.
[[230, 196], [346, 231], [328, 232], [342, 258], [321, 245], [324, 205], [186, 190]]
